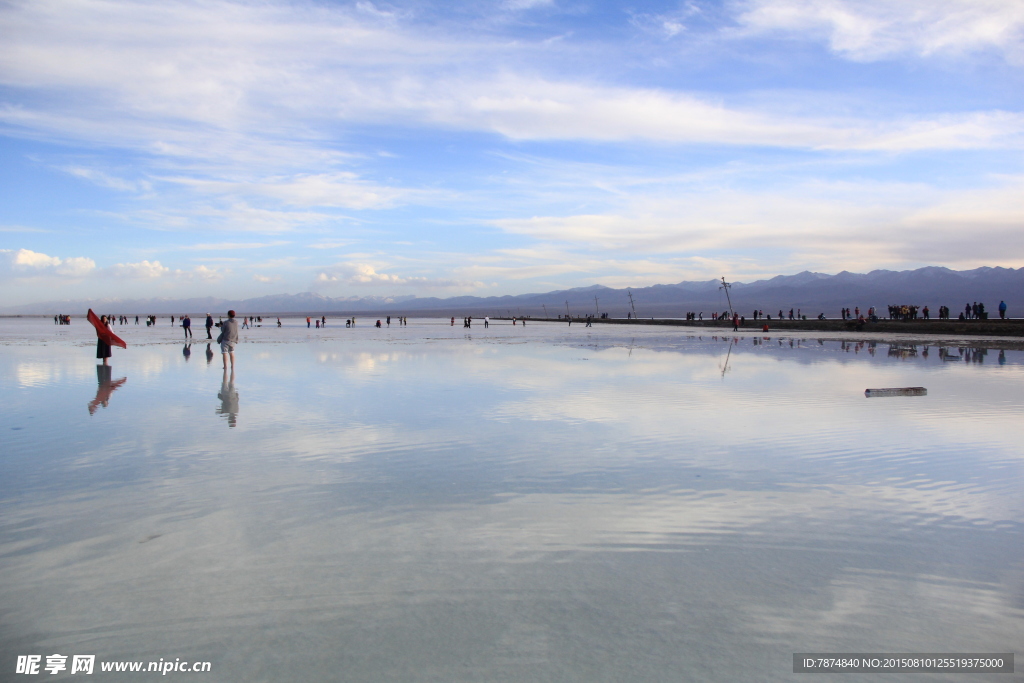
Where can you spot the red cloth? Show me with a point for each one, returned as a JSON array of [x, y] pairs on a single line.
[[104, 332]]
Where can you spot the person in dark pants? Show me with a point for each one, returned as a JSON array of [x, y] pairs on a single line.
[[102, 347], [186, 324], [209, 326]]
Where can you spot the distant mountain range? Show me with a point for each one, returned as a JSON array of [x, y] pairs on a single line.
[[812, 292]]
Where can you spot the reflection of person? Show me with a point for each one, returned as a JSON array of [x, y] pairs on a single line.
[[228, 337], [209, 354], [105, 388], [187, 352], [228, 397]]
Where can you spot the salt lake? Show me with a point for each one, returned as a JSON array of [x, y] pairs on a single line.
[[436, 503]]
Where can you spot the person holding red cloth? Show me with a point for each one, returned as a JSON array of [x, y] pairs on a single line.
[[105, 338]]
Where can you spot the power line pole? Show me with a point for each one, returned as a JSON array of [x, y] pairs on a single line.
[[726, 286], [567, 314], [631, 303], [597, 311]]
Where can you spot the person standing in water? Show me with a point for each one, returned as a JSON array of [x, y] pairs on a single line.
[[186, 324], [105, 337], [209, 326], [102, 346], [227, 339]]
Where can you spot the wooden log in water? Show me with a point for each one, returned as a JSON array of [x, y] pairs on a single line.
[[897, 391]]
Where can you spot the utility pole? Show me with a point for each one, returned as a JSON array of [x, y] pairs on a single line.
[[726, 286], [597, 311], [545, 310], [631, 303], [567, 314]]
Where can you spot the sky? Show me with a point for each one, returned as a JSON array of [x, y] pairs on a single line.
[[241, 149]]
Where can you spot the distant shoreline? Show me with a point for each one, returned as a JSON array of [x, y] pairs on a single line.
[[973, 328], [1011, 327]]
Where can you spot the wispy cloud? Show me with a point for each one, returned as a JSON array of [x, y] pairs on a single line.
[[233, 246], [331, 244], [867, 30], [269, 93], [20, 228], [838, 225], [108, 181]]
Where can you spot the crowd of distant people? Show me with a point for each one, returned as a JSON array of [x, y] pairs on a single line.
[[972, 311], [902, 312]]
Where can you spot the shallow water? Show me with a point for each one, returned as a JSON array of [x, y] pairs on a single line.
[[429, 503]]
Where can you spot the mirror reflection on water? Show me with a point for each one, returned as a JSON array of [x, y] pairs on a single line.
[[435, 503]]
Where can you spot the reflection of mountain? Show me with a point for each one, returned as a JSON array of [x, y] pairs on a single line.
[[105, 387], [812, 292], [228, 398]]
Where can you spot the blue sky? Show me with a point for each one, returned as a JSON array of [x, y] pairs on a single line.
[[238, 149]]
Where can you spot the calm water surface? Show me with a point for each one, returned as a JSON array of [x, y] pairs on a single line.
[[431, 503]]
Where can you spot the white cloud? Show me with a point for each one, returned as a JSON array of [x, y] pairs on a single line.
[[25, 263], [143, 270], [33, 259], [365, 274], [202, 273], [154, 270], [867, 30], [28, 263], [76, 266]]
